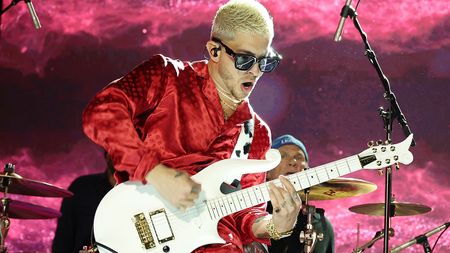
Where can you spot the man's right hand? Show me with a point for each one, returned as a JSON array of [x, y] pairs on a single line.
[[175, 186]]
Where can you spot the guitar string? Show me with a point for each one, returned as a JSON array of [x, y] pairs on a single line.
[[323, 168], [339, 164]]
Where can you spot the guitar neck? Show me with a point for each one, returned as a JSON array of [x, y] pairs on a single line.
[[242, 199]]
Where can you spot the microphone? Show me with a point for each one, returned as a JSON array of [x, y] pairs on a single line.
[[420, 238], [344, 13], [33, 14]]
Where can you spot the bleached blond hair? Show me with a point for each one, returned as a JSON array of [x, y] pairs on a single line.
[[242, 16]]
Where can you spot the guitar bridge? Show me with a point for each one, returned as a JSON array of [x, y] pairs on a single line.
[[143, 230], [161, 225]]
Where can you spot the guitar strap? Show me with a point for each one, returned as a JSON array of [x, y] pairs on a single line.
[[242, 148]]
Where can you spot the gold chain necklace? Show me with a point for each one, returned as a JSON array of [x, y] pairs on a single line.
[[222, 92], [227, 105], [225, 114]]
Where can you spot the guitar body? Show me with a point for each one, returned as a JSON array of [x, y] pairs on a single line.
[[171, 229]]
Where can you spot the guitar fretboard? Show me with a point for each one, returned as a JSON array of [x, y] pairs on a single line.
[[242, 199]]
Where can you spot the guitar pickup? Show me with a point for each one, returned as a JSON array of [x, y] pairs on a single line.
[[161, 226], [143, 230]]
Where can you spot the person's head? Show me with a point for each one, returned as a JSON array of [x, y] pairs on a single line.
[[240, 47], [294, 157]]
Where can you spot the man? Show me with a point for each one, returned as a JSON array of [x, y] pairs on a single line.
[[294, 158], [74, 227], [166, 120]]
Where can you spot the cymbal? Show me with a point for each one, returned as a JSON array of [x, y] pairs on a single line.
[[23, 186], [339, 188], [23, 210], [398, 209]]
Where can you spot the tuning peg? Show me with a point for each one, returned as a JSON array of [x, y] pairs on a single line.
[[370, 144], [397, 166], [387, 142], [379, 142], [380, 172]]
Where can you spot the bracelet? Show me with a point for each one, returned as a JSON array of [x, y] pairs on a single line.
[[273, 232]]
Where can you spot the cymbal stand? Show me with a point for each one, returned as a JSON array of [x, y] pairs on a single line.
[[378, 236], [309, 236], [13, 2], [393, 112], [4, 219]]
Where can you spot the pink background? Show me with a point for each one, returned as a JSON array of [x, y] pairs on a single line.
[[325, 93]]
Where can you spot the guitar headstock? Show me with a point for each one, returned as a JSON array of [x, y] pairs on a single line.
[[383, 155]]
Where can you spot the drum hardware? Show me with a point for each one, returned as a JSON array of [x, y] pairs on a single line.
[[10, 182], [309, 236], [378, 236], [4, 219], [330, 190], [397, 209], [423, 239], [16, 184]]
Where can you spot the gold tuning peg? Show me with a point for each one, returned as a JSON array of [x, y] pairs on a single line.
[[370, 144], [379, 142]]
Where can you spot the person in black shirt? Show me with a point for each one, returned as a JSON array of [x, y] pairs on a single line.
[[74, 227], [294, 158]]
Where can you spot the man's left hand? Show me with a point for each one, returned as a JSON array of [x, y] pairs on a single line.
[[286, 205]]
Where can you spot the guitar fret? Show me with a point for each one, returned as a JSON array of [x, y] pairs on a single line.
[[252, 200], [265, 193], [258, 194], [208, 207], [312, 178], [345, 168], [333, 172], [322, 175], [308, 183], [223, 207], [304, 183], [242, 200], [252, 190], [236, 200], [337, 169], [220, 207], [294, 180], [247, 200], [216, 212], [231, 203], [355, 163], [325, 168]]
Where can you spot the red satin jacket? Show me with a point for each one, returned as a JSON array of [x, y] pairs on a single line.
[[167, 111]]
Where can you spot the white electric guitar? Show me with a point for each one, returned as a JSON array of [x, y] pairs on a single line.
[[134, 218]]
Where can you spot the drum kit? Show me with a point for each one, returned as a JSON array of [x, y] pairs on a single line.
[[12, 183], [344, 188]]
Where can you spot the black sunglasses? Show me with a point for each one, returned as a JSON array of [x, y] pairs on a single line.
[[246, 61]]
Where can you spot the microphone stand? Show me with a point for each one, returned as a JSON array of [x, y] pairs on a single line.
[[13, 2], [422, 239], [378, 236], [393, 112]]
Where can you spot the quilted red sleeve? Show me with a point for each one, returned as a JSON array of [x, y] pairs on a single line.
[[111, 119]]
